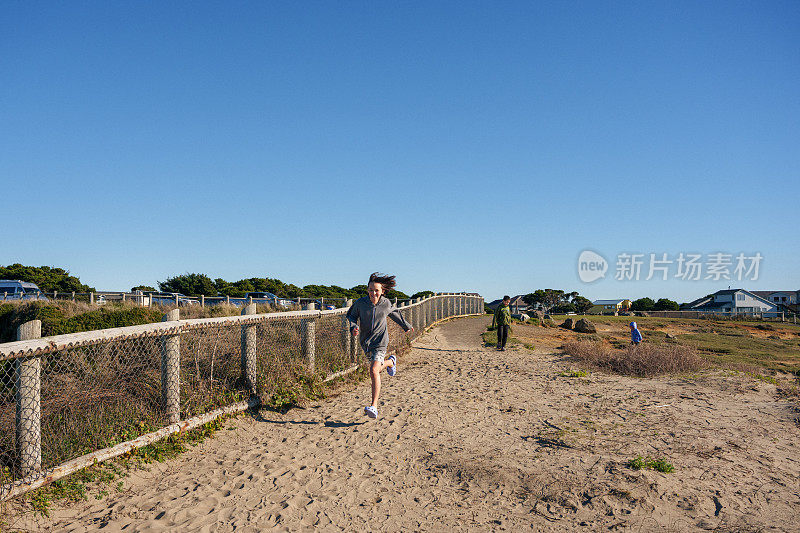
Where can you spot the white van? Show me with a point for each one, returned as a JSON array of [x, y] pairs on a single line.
[[13, 289]]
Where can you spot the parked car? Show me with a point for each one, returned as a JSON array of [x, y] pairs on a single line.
[[269, 298], [167, 298], [13, 289], [320, 305]]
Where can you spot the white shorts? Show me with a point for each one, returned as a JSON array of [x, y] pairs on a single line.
[[376, 355]]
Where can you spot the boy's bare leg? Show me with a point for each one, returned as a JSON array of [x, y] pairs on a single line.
[[375, 377]]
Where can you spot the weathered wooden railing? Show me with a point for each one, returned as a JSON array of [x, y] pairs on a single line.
[[69, 401]]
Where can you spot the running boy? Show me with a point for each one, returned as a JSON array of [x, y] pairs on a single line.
[[367, 317]]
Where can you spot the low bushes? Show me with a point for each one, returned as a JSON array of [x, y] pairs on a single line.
[[59, 318], [642, 360], [63, 316]]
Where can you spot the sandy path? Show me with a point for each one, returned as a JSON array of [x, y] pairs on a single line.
[[494, 442]]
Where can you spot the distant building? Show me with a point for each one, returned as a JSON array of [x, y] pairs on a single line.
[[785, 300], [732, 301], [609, 307], [517, 305]]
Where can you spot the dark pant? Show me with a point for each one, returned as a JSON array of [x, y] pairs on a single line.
[[502, 336]]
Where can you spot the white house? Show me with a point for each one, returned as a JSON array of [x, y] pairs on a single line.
[[779, 297], [734, 301]]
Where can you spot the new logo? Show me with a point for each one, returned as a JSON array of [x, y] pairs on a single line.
[[591, 266]]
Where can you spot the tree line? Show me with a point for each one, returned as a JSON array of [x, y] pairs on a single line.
[[648, 304], [559, 302], [47, 278], [196, 284], [50, 279]]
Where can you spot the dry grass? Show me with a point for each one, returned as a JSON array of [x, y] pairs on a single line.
[[643, 360]]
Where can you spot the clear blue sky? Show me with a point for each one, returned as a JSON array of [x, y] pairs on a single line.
[[473, 146]]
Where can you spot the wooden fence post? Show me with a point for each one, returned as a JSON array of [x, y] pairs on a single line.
[[428, 311], [249, 343], [91, 298], [307, 333], [202, 300], [347, 338], [28, 396], [171, 371]]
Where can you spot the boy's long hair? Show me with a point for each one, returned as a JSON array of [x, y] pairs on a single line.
[[387, 282]]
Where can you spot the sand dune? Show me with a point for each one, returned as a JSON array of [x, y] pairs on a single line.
[[470, 439]]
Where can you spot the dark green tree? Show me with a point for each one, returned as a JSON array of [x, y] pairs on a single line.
[[144, 288], [563, 308], [548, 298], [643, 304], [664, 304], [582, 305], [394, 293], [422, 294], [358, 291], [46, 278], [190, 285]]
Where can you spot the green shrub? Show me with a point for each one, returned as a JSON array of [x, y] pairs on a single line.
[[56, 319], [573, 374], [659, 465]]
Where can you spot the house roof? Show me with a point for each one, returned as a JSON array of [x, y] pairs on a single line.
[[728, 291], [714, 305], [765, 294], [608, 302], [515, 300], [699, 302]]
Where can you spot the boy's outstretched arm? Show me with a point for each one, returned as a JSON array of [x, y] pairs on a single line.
[[352, 317], [397, 317]]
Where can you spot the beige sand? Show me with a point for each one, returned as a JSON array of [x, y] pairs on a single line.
[[470, 439]]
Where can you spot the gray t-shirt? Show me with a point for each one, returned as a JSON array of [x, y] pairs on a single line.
[[373, 332]]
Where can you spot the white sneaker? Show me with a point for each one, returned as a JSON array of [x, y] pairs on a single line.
[[371, 411], [392, 370]]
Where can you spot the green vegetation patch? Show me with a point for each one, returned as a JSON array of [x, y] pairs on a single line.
[[573, 374], [772, 354], [56, 319], [659, 465]]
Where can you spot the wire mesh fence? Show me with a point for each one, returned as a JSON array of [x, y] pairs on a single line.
[[68, 400]]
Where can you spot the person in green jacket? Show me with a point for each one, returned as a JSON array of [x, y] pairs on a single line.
[[502, 319]]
